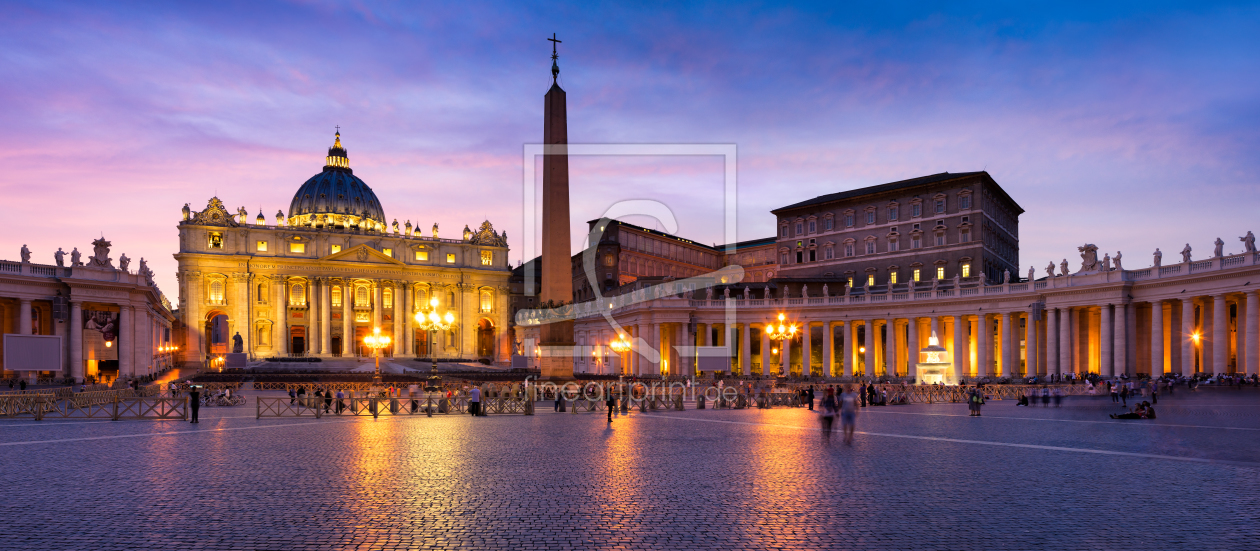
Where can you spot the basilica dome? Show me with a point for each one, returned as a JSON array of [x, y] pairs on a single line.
[[336, 196]]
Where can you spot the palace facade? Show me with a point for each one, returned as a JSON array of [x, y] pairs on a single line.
[[319, 279]]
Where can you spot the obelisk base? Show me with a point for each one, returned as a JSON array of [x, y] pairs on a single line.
[[556, 360]]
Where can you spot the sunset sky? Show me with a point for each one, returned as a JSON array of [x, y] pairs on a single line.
[[1129, 125]]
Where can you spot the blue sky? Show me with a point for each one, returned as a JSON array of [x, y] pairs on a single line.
[[1127, 125]]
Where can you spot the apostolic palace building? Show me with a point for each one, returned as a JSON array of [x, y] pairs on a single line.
[[320, 278]]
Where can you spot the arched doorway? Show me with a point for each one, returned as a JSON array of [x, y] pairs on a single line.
[[216, 333], [485, 339], [297, 336]]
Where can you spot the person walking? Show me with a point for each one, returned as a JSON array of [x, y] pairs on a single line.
[[1115, 392], [861, 393], [474, 401], [194, 403], [848, 413], [341, 396], [828, 414], [1124, 396]]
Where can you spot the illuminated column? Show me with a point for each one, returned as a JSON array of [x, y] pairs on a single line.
[[984, 345], [829, 354], [1157, 338], [1253, 334], [282, 319], [890, 347], [1105, 343], [1187, 340], [655, 367], [347, 320], [745, 349], [1065, 341], [1120, 350], [1006, 369], [1220, 335], [870, 348], [126, 364], [325, 316], [398, 316], [806, 350], [960, 354], [76, 341], [377, 288], [406, 295], [912, 346], [313, 341], [766, 368], [785, 356], [24, 317]]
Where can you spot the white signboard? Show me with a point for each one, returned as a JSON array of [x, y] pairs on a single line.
[[713, 358], [32, 352]]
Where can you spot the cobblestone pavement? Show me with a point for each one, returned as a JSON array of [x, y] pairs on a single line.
[[917, 477]]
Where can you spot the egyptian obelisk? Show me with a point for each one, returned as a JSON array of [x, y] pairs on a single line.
[[557, 342]]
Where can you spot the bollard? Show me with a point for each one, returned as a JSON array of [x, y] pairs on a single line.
[[700, 402], [257, 407], [643, 405], [678, 402], [372, 406], [625, 403]]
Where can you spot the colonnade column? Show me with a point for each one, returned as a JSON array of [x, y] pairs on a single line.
[[765, 351], [960, 354], [282, 319], [1007, 363], [890, 347], [806, 350], [661, 354], [1220, 335], [398, 322], [785, 357], [912, 346], [846, 350], [126, 333], [1187, 343], [870, 348], [76, 341], [1065, 341], [1120, 351], [829, 353], [325, 316], [347, 321], [24, 317], [745, 349], [1253, 334], [1157, 338], [1105, 343], [984, 345], [1052, 342]]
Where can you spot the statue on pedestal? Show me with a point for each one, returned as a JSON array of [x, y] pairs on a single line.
[[26, 255], [726, 293], [910, 285], [825, 292], [435, 230], [983, 277], [101, 257], [957, 281], [1089, 258], [1106, 263], [395, 226], [804, 290], [747, 293], [60, 255], [1031, 273], [238, 344], [1219, 251], [74, 257], [1159, 257], [936, 282], [1117, 261], [243, 214], [123, 262], [765, 293], [1249, 242], [708, 293], [187, 212], [1006, 277], [1185, 254], [1063, 267], [1050, 269], [146, 272]]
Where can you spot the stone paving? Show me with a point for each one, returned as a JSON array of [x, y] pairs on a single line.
[[917, 477]]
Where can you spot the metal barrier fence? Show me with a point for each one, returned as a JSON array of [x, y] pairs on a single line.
[[116, 408], [376, 406]]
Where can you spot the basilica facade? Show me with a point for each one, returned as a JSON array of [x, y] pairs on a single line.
[[318, 279]]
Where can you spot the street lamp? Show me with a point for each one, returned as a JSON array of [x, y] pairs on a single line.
[[784, 331], [376, 341], [430, 321], [620, 346]]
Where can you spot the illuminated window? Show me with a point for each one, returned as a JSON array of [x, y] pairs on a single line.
[[336, 295], [297, 295], [487, 257], [262, 246], [916, 274], [892, 278], [966, 270], [387, 296], [850, 282], [487, 301], [216, 240], [940, 272], [336, 249], [262, 293], [297, 247], [870, 280], [216, 292], [450, 258], [388, 252], [422, 255], [361, 296]]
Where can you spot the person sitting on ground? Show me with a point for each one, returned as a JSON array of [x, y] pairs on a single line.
[[1139, 413]]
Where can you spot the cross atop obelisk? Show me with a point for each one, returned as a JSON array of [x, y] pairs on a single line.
[[555, 68]]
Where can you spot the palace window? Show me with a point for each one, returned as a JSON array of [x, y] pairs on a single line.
[[487, 257], [848, 219], [487, 301], [361, 296], [450, 258], [870, 280], [848, 249], [422, 256], [813, 255], [892, 278], [297, 295], [915, 210], [799, 228], [964, 202], [829, 253], [783, 231], [870, 247], [964, 235], [262, 293], [783, 258], [940, 206], [940, 239], [915, 242], [262, 246], [892, 244], [216, 240], [850, 282], [966, 270], [388, 252], [917, 273], [813, 226], [800, 257], [336, 296], [216, 292], [892, 214], [297, 247], [387, 296], [870, 217], [940, 272], [336, 249]]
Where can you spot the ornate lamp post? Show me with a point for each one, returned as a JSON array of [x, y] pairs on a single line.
[[783, 332], [376, 341], [430, 321], [620, 346]]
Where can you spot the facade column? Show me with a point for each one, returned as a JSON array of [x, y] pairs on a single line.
[[76, 341], [325, 316], [347, 321], [960, 354], [1006, 369], [848, 348], [829, 354], [398, 323], [806, 349], [1032, 352], [984, 345], [766, 368], [24, 317], [1157, 339], [406, 295], [1252, 345], [1187, 342], [870, 348], [1220, 335], [912, 347], [280, 328], [1105, 343], [785, 356], [1120, 350], [745, 349], [1052, 341], [377, 287], [890, 347], [655, 367], [1065, 341], [126, 333]]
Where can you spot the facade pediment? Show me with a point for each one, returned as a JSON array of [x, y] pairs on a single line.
[[362, 253]]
